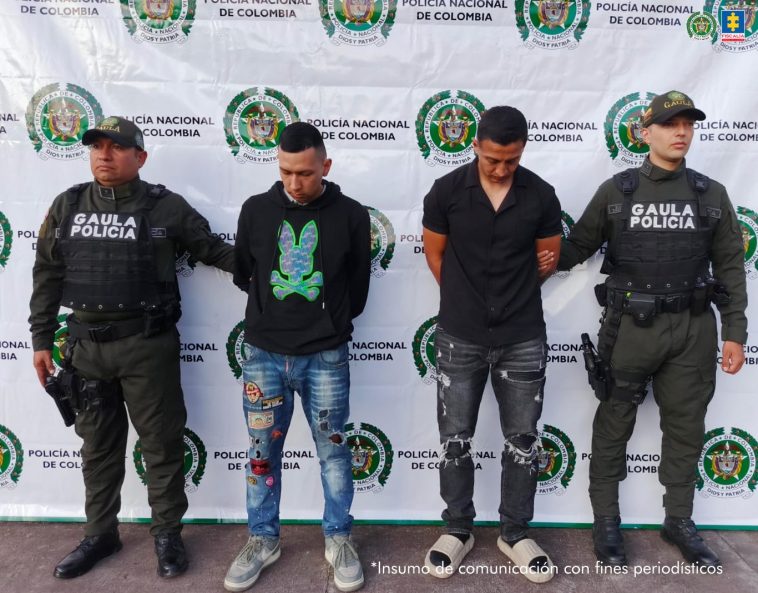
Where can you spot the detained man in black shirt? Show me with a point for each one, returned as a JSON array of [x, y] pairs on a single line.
[[483, 224]]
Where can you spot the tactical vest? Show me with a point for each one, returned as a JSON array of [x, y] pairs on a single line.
[[109, 257], [660, 247]]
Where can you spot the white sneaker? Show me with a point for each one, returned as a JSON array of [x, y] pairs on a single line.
[[258, 553], [342, 555]]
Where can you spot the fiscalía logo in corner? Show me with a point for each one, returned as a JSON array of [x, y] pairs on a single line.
[[59, 341], [382, 242], [358, 22], [702, 26], [552, 24], [749, 227], [738, 25], [623, 129], [371, 456], [57, 117], [236, 350], [6, 241], [446, 127], [158, 21], [727, 467], [567, 223], [557, 461], [11, 458], [185, 264], [424, 353], [193, 467], [253, 122]]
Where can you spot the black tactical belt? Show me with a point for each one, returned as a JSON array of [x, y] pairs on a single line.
[[664, 303], [113, 330]]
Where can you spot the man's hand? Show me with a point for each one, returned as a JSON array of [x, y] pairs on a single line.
[[732, 357], [545, 263], [43, 364]]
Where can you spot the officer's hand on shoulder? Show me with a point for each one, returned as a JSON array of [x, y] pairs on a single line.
[[732, 357]]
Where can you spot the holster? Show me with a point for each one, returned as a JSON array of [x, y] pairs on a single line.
[[598, 370], [56, 388]]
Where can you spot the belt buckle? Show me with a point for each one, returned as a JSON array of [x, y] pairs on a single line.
[[101, 333]]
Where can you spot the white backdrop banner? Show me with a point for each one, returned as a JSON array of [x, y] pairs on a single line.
[[397, 87]]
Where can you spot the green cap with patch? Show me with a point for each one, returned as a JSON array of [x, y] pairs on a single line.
[[120, 130], [667, 105]]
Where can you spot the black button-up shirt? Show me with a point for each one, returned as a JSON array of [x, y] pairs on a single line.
[[490, 290]]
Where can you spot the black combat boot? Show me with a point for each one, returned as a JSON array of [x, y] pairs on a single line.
[[89, 552], [683, 534], [172, 558], [609, 543]]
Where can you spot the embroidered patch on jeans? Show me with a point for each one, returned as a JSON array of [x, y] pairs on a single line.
[[272, 402], [253, 392], [270, 481], [260, 420]]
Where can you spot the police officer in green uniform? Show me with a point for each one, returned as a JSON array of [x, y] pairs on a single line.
[[107, 250], [674, 247]]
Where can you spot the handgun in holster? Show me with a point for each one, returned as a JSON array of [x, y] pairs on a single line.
[[598, 371]]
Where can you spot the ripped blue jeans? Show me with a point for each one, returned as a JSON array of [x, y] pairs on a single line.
[[323, 382], [517, 373]]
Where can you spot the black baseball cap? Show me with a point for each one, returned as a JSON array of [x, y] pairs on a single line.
[[668, 105], [120, 130]]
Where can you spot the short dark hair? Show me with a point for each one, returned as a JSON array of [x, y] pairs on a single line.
[[503, 125], [299, 136]]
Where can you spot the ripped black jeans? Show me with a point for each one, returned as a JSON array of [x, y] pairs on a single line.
[[518, 379]]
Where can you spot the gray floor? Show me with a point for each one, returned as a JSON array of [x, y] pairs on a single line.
[[28, 552]]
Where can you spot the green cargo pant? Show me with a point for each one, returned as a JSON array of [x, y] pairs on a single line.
[[679, 351], [148, 370]]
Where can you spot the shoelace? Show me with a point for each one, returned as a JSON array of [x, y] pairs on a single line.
[[345, 555], [252, 547]]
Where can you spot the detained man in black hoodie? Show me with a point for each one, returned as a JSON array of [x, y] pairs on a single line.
[[303, 257]]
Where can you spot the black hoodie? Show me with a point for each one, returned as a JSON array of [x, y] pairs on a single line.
[[305, 269]]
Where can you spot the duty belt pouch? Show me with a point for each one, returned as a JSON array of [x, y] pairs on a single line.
[[601, 294], [701, 299], [642, 308], [98, 393]]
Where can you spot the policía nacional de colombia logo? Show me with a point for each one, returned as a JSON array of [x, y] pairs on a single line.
[[552, 24], [158, 21], [727, 467], [193, 467], [358, 22], [702, 26], [371, 456], [446, 126], [557, 461], [11, 458], [749, 228], [623, 129], [6, 240], [236, 350], [253, 122], [424, 354], [737, 22], [382, 242], [57, 117]]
